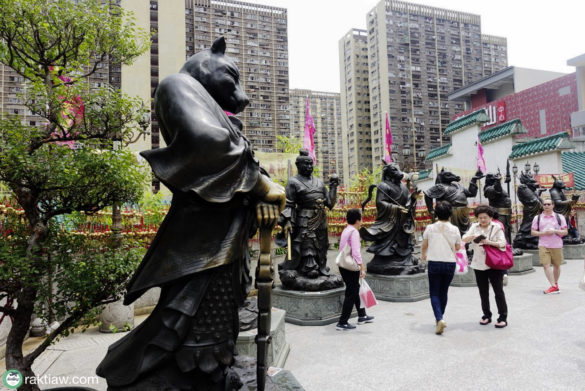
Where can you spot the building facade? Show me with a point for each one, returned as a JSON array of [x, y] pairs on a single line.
[[326, 112], [355, 103], [417, 55]]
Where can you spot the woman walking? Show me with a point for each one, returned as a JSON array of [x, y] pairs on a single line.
[[487, 233], [440, 242], [351, 237]]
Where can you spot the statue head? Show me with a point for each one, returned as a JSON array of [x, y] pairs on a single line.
[[558, 183], [528, 180], [447, 177], [304, 163], [391, 172], [219, 75], [490, 179]]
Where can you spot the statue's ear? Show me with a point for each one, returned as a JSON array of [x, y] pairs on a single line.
[[384, 163], [553, 177], [218, 46]]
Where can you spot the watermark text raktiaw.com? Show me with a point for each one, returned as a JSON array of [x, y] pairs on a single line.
[[13, 379]]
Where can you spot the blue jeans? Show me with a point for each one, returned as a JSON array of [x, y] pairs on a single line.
[[440, 277]]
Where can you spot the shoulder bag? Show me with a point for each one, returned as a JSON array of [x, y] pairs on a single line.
[[496, 258], [461, 260], [345, 260]]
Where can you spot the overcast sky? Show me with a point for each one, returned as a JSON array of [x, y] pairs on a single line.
[[539, 36]]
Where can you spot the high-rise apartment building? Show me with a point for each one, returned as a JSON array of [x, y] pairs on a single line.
[[355, 103], [417, 55], [326, 113]]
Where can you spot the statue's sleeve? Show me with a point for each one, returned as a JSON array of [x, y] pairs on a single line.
[[436, 191], [206, 154], [471, 191], [287, 213]]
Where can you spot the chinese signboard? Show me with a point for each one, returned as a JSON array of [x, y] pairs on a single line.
[[546, 180]]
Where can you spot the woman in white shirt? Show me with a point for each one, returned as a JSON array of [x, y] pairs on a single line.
[[440, 242], [486, 232]]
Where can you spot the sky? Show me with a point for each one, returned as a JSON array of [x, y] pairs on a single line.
[[540, 37]]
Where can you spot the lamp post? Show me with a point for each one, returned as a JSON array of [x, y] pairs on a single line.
[[536, 168], [515, 172], [527, 168]]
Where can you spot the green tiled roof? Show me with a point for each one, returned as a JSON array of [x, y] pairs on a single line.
[[575, 162], [438, 152], [510, 127], [541, 145], [424, 174], [478, 116]]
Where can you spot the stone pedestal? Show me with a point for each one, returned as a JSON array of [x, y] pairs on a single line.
[[412, 287], [278, 348], [309, 308], [574, 251], [277, 379], [117, 316], [522, 264], [467, 279], [535, 257]]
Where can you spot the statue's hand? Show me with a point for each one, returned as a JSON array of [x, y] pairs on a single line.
[[575, 197], [334, 180], [267, 214], [270, 192], [478, 175], [403, 210], [287, 229]]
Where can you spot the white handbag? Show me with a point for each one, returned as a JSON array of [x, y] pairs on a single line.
[[345, 260]]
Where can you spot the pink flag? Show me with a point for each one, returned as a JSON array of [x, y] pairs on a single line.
[[388, 157], [309, 142], [480, 159]]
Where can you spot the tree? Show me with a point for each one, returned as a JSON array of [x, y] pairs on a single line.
[[68, 164]]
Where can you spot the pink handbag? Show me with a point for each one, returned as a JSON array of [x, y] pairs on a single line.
[[498, 259]]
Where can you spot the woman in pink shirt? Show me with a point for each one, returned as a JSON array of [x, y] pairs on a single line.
[[351, 237]]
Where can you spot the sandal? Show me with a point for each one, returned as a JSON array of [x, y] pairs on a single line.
[[485, 320], [501, 324]]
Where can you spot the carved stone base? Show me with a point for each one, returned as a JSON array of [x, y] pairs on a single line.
[[399, 288], [309, 308], [292, 280], [117, 316], [573, 251], [278, 379], [278, 348], [467, 279], [522, 264]]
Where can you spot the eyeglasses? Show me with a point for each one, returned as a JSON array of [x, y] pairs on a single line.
[[547, 204]]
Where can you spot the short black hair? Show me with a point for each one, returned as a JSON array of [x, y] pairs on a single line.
[[353, 215], [443, 210], [484, 209]]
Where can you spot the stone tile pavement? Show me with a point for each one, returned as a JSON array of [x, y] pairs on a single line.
[[543, 348]]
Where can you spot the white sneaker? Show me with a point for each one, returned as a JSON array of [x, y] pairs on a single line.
[[505, 280]]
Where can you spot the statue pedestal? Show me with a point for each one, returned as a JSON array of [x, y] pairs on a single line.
[[277, 379], [413, 287], [309, 308], [467, 279], [573, 251], [522, 264], [535, 257], [278, 348]]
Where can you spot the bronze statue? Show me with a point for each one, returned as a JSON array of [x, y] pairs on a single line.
[[304, 218], [199, 256], [392, 232], [447, 188], [499, 199], [563, 205], [529, 195]]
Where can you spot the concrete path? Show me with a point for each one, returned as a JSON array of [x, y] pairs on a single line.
[[543, 348]]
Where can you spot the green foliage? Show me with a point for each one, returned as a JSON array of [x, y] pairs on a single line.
[[365, 178], [154, 207], [289, 144]]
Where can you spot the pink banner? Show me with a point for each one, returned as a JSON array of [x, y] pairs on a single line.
[[309, 142], [480, 159], [389, 140]]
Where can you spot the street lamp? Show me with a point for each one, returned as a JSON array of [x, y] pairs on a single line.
[[527, 168], [536, 168], [515, 172]]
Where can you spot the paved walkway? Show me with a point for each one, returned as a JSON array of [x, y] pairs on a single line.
[[543, 348]]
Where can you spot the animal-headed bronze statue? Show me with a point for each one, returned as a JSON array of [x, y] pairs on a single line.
[[392, 232], [199, 256], [563, 205], [529, 195], [447, 188]]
